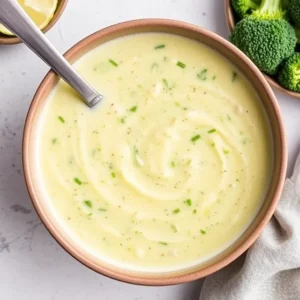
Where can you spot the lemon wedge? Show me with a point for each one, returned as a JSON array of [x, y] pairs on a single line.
[[40, 11]]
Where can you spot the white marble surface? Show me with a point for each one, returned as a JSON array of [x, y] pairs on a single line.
[[32, 265]]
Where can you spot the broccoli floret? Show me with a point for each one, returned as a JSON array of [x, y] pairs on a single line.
[[265, 36], [244, 8], [269, 10], [289, 75], [294, 11]]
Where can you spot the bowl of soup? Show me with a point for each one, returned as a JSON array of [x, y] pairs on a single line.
[[175, 174]]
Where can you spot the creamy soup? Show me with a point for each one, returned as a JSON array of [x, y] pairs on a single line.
[[172, 166]]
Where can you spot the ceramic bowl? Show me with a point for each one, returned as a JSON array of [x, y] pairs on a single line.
[[268, 100], [11, 40], [231, 20]]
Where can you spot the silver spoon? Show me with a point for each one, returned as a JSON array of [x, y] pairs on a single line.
[[16, 20]]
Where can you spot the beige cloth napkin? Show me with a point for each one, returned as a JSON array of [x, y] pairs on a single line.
[[271, 268]]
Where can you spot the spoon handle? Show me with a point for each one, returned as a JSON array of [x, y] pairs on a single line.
[[16, 20]]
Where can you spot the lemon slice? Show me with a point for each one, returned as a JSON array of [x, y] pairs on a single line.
[[40, 11]]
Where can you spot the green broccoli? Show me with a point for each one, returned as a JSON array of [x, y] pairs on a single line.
[[294, 11], [244, 8], [265, 36], [289, 75]]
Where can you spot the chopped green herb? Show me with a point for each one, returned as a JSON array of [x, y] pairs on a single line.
[[180, 64], [165, 82], [102, 209], [202, 75], [54, 141], [203, 231], [194, 211], [173, 164], [234, 76], [212, 130], [213, 144], [225, 151], [174, 228], [176, 211], [177, 103], [195, 138], [122, 120], [88, 203], [113, 175], [228, 117], [78, 181], [163, 243], [214, 77], [161, 46], [60, 118], [133, 109], [113, 62], [188, 202]]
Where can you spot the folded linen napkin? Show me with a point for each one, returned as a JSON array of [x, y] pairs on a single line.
[[270, 270]]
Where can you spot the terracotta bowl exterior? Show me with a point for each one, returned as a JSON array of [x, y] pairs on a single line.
[[279, 152], [231, 21], [11, 40]]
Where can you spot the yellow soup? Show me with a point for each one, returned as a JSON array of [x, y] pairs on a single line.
[[172, 166]]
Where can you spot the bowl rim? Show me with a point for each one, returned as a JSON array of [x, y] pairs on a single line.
[[12, 40], [162, 279], [230, 21]]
